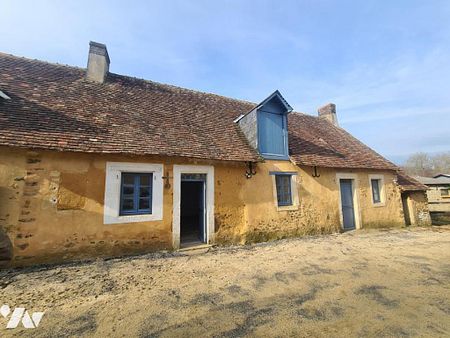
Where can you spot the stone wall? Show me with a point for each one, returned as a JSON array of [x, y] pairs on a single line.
[[437, 202], [51, 206], [318, 210], [418, 208]]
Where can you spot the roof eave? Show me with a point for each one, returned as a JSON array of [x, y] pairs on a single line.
[[277, 93], [4, 96]]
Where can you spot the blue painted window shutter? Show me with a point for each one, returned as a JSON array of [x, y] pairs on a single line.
[[272, 134]]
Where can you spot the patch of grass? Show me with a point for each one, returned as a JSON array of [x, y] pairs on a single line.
[[77, 327], [314, 269], [373, 292], [312, 314], [236, 290], [207, 299], [251, 322]]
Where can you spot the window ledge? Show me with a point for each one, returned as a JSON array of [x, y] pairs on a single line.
[[287, 208], [378, 205], [275, 157], [133, 219]]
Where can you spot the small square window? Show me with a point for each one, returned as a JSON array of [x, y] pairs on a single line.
[[136, 194], [445, 192], [376, 197], [283, 185]]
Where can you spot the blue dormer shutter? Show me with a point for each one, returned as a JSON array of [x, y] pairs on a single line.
[[271, 134]]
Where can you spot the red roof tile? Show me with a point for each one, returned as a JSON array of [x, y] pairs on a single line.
[[316, 142], [53, 107], [407, 183]]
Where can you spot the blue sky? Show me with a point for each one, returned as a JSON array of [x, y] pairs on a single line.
[[386, 64]]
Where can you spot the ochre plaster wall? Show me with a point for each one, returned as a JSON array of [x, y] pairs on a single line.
[[51, 206], [318, 211]]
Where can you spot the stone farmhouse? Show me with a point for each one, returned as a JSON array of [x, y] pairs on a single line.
[[94, 163]]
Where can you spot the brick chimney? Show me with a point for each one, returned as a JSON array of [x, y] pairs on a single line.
[[328, 112], [98, 62]]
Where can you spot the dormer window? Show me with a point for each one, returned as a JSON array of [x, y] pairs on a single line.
[[272, 134], [265, 126]]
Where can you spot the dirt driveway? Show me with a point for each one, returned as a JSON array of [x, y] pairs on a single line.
[[392, 283]]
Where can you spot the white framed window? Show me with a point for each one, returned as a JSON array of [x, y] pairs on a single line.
[[133, 192], [377, 190], [285, 190]]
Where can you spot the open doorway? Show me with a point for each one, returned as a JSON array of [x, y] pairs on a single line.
[[406, 209], [192, 205], [193, 173]]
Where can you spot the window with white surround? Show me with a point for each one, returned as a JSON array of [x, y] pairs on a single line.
[[377, 189], [285, 190], [133, 192]]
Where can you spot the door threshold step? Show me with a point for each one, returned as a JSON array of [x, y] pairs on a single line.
[[195, 247]]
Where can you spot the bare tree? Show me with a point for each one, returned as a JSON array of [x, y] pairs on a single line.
[[422, 164], [441, 163]]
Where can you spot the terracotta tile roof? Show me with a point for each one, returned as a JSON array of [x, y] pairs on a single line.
[[407, 183], [53, 107], [317, 142]]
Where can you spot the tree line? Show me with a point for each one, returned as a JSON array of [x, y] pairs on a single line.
[[423, 164]]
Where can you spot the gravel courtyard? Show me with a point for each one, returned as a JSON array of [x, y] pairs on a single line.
[[393, 283]]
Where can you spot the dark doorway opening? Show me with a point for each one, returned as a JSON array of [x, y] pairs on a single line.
[[192, 211]]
